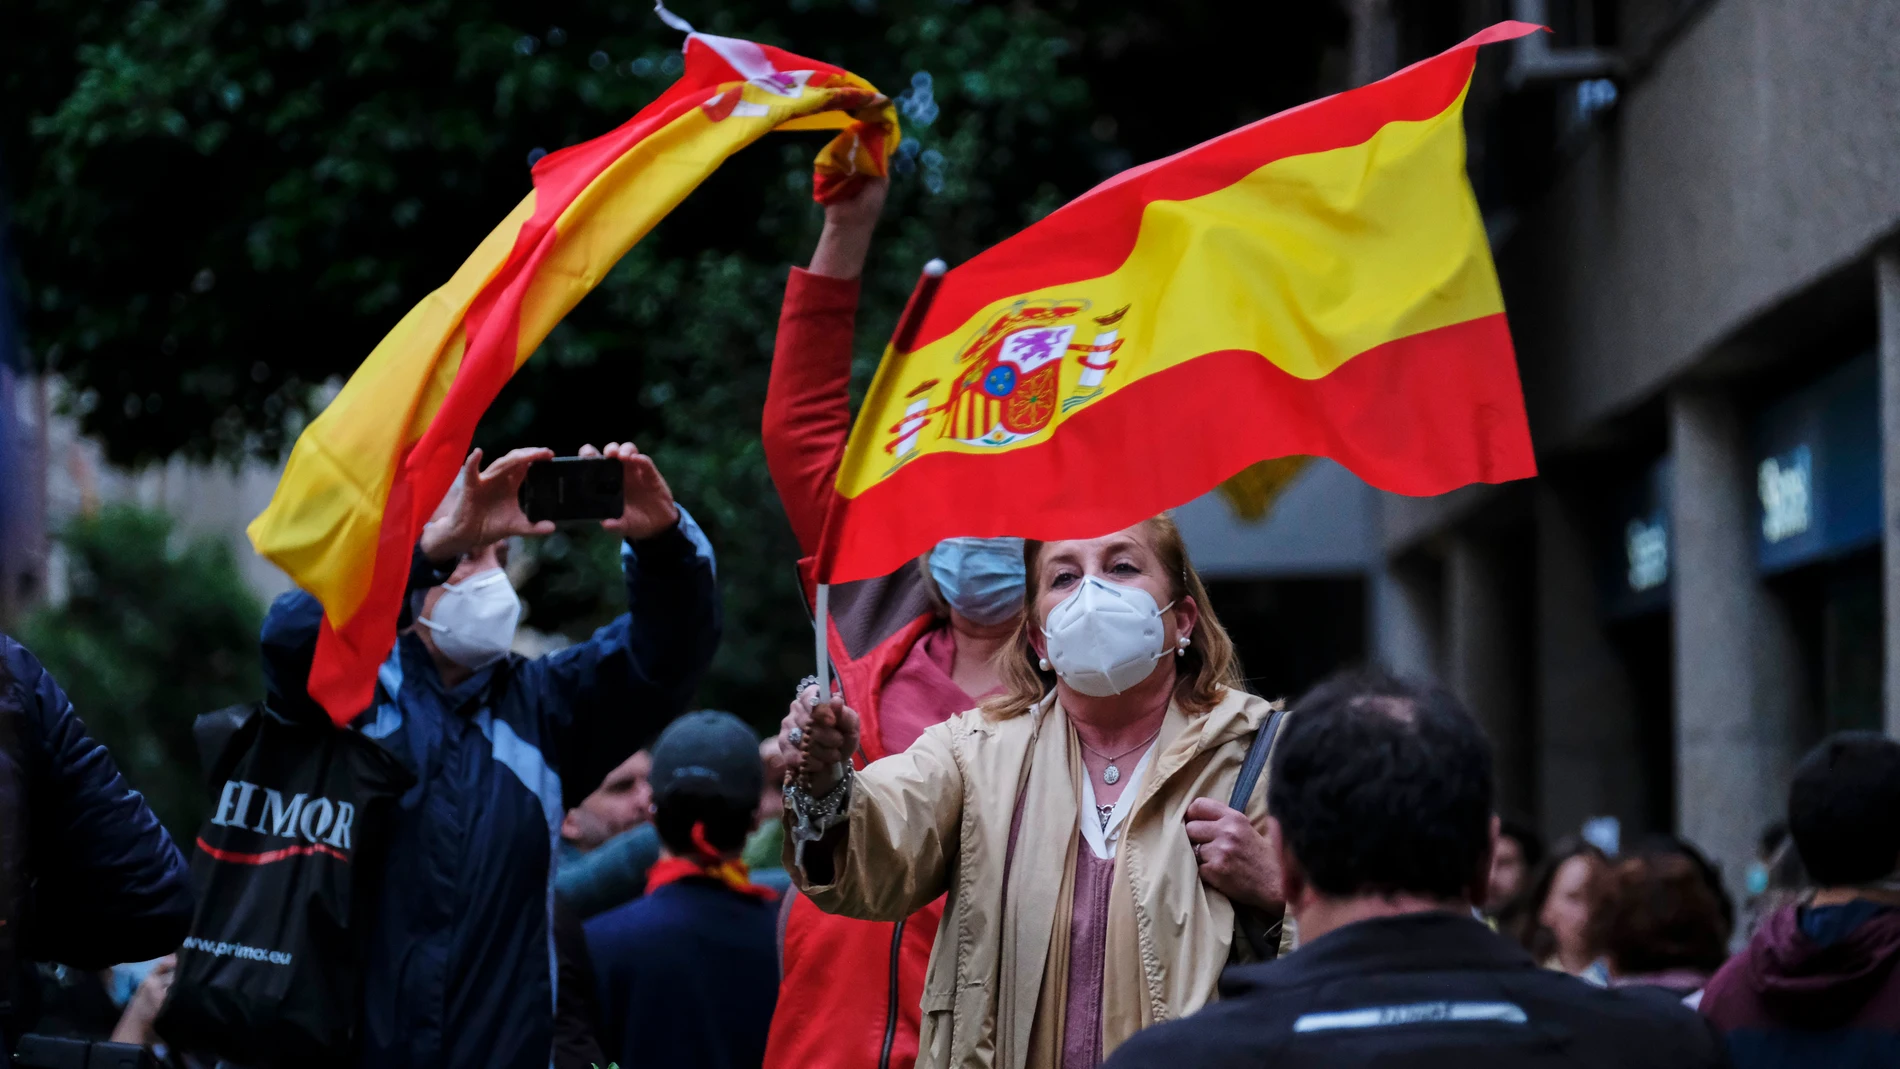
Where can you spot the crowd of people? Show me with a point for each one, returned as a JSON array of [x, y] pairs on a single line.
[[1041, 822]]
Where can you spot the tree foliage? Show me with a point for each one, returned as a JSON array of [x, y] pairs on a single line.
[[222, 203], [155, 630]]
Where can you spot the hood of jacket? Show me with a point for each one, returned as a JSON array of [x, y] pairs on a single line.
[[1810, 985]]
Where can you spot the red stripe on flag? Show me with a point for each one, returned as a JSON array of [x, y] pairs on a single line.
[[1422, 415], [343, 672], [238, 857], [1092, 235]]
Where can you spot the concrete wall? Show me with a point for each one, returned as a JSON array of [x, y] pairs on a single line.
[[1756, 158], [1726, 213], [207, 500], [1739, 691]]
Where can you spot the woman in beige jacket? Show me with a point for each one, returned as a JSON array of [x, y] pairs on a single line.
[[1075, 820]]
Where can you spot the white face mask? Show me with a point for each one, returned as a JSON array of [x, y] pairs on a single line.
[[1106, 637], [473, 622]]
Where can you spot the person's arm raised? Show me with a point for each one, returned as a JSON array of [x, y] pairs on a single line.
[[845, 242], [807, 401], [621, 685], [485, 508]]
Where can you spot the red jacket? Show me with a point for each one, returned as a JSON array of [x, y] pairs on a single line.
[[851, 989]]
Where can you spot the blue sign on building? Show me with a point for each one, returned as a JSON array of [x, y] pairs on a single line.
[[1637, 554], [1817, 470]]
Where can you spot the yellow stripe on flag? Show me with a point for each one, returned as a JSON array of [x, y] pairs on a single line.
[[324, 518]]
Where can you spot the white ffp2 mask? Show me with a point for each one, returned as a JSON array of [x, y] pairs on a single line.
[[1106, 637], [473, 622]]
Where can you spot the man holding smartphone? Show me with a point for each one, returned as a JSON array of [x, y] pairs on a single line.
[[462, 966]]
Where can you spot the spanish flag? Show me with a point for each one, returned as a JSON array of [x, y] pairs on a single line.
[[367, 473], [1317, 283]]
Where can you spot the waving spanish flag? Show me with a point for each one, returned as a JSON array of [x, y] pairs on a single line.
[[1316, 283], [366, 474]]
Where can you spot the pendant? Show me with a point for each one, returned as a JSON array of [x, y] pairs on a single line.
[[1111, 774]]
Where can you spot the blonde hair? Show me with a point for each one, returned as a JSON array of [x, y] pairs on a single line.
[[1205, 671]]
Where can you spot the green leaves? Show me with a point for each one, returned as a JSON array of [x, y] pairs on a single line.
[[156, 629], [221, 204]]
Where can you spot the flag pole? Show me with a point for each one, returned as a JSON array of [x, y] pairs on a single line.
[[905, 336]]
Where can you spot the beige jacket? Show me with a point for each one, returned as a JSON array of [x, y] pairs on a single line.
[[935, 820]]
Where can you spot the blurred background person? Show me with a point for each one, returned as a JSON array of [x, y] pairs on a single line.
[[911, 649], [688, 973], [1381, 824], [88, 876], [622, 802], [1560, 918], [1520, 850], [1776, 878], [1667, 920], [608, 842], [1122, 685], [463, 960], [765, 848], [1817, 985]]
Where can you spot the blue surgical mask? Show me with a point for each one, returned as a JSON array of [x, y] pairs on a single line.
[[981, 578]]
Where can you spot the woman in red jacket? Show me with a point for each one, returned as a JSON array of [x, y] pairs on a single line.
[[919, 643]]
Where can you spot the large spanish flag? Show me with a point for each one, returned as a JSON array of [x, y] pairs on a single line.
[[366, 474], [1317, 283]]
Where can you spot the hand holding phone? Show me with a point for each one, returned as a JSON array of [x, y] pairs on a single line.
[[646, 502], [573, 488], [484, 508]]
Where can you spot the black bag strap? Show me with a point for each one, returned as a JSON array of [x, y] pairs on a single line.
[[1256, 762], [1257, 930]]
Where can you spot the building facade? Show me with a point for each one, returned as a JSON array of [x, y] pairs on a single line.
[[1695, 210]]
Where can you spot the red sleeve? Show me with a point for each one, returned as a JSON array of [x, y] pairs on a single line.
[[807, 400]]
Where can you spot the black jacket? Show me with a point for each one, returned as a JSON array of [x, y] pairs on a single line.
[[88, 876], [1422, 990]]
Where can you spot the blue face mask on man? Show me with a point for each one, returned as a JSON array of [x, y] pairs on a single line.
[[981, 578]]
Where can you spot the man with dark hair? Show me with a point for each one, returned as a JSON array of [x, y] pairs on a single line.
[[688, 973], [1817, 985], [1380, 817]]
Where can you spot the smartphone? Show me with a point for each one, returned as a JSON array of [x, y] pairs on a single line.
[[58, 1052], [573, 488]]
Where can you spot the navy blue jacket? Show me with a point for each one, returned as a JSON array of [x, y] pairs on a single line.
[[462, 969], [1426, 991], [688, 976], [88, 876]]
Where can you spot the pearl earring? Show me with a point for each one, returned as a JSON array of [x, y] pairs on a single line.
[[1043, 664], [1180, 646]]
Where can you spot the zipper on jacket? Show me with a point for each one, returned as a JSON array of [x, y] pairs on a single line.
[[890, 1010]]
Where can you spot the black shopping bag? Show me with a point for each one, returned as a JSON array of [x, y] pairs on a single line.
[[286, 871]]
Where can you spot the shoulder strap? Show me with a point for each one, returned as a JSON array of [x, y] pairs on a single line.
[[1256, 762], [1256, 933]]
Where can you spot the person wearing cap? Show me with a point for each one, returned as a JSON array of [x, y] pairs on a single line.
[[688, 973]]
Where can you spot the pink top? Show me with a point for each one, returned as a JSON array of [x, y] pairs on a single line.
[[1088, 943], [921, 693]]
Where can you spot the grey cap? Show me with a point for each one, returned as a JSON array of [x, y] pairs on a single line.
[[710, 749]]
